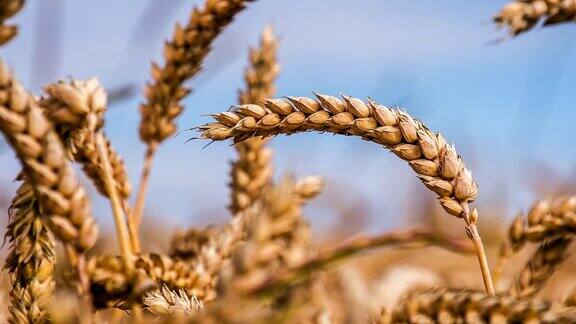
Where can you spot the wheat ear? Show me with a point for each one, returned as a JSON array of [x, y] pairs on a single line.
[[464, 306], [61, 197], [353, 246], [183, 55], [8, 8], [76, 109], [31, 258], [550, 223], [435, 161], [520, 16], [252, 170], [186, 244]]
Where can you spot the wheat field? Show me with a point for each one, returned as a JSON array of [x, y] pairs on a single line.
[[264, 263]]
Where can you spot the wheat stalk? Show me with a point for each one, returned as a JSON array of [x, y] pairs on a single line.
[[324, 258], [184, 55], [464, 306], [8, 8], [30, 261], [77, 108], [520, 16], [61, 197], [252, 170], [435, 162]]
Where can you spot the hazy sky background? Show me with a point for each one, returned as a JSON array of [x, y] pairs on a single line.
[[508, 107]]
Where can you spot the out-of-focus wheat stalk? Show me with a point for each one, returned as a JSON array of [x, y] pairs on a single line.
[[184, 55], [252, 170], [550, 223], [61, 197], [186, 244], [8, 8], [30, 261], [522, 15], [464, 306], [77, 108], [326, 257], [435, 161]]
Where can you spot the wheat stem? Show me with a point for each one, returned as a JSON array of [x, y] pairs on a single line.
[[354, 246], [119, 217], [136, 216]]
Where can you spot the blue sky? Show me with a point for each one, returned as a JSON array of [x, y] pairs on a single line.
[[506, 106]]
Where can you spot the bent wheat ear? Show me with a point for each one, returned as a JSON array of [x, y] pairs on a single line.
[[435, 162], [8, 8], [253, 170], [456, 306], [520, 16], [31, 259]]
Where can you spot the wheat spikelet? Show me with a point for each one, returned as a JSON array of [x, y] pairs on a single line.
[[520, 16], [8, 8], [252, 170], [30, 261], [165, 302], [61, 197], [435, 161], [464, 306]]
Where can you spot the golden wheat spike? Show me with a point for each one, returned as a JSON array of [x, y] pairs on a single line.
[[435, 162]]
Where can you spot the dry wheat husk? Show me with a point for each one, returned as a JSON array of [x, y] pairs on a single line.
[[8, 8], [30, 261], [184, 55], [61, 197], [465, 306], [166, 302], [252, 170], [522, 15]]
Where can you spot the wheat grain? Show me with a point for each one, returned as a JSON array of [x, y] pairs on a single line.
[[8, 8], [30, 261], [435, 161], [464, 306], [520, 16], [252, 170], [61, 197]]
